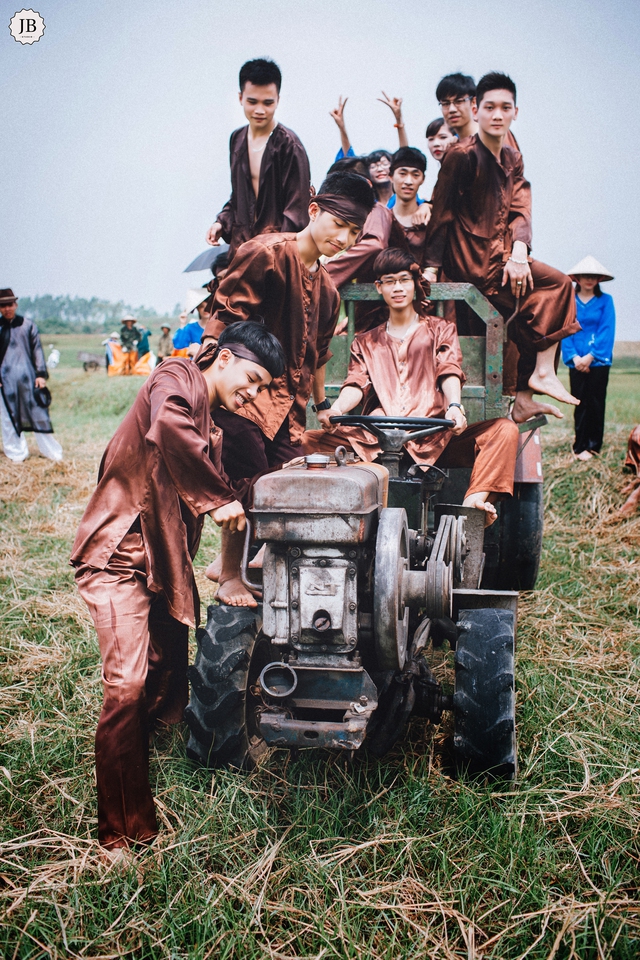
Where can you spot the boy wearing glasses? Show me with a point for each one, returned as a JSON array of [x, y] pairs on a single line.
[[410, 366], [480, 233]]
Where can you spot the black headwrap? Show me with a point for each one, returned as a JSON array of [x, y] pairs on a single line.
[[208, 355], [343, 207]]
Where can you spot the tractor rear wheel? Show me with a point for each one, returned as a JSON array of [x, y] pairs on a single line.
[[221, 714], [521, 523], [484, 698]]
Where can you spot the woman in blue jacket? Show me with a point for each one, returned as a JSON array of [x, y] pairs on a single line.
[[589, 354]]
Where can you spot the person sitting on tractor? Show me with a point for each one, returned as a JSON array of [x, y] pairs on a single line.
[[410, 366]]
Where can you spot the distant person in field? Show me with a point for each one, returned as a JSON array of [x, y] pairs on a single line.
[[270, 178], [165, 343], [589, 355], [24, 397], [480, 233], [160, 475], [187, 339], [410, 366]]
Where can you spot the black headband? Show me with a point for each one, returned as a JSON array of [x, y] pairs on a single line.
[[210, 353], [343, 207]]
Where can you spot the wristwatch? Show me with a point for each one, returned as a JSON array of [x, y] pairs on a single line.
[[323, 405], [459, 406]]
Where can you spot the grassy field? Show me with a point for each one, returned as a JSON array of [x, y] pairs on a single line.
[[316, 857]]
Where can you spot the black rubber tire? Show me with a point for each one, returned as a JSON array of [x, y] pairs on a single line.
[[221, 711], [484, 698], [521, 526]]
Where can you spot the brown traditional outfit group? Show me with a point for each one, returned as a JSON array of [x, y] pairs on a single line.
[[159, 476], [282, 203], [168, 465], [401, 378]]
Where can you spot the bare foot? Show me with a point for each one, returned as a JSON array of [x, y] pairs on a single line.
[[549, 384], [214, 569], [584, 455], [478, 501], [233, 593], [258, 560], [525, 407], [120, 859], [630, 507]]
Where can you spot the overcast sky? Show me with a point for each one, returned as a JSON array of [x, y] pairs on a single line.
[[116, 123]]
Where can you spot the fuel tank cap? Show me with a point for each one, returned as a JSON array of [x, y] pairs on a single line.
[[317, 461]]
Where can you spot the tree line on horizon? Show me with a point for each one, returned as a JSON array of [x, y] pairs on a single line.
[[79, 315]]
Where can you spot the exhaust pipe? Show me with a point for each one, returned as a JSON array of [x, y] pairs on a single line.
[[278, 680]]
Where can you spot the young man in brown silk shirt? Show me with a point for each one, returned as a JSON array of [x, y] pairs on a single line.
[[279, 278], [159, 476], [480, 233], [270, 179], [410, 366]]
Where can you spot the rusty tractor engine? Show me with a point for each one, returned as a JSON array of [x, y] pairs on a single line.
[[353, 598]]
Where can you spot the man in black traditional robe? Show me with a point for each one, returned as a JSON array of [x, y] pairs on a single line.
[[23, 375], [270, 178]]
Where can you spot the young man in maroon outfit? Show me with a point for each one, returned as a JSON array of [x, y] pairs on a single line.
[[270, 179], [160, 474], [480, 233], [279, 277], [410, 366]]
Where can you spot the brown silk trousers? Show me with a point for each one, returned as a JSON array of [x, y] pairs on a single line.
[[144, 662], [489, 447], [547, 314]]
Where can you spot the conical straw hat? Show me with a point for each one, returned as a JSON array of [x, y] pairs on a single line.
[[591, 267], [195, 296]]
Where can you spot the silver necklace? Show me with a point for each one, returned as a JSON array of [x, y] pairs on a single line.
[[259, 149]]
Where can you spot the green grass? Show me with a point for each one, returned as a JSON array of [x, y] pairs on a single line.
[[316, 857]]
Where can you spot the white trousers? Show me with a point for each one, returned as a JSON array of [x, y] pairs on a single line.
[[15, 444]]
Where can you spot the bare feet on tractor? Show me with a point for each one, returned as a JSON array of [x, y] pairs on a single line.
[[544, 378], [480, 502], [214, 568], [258, 561], [233, 593], [550, 385], [525, 407]]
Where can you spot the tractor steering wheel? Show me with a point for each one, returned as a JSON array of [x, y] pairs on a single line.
[[394, 432]]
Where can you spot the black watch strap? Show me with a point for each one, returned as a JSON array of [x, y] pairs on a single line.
[[323, 405]]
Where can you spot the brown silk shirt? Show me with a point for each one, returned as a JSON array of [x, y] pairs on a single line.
[[282, 204], [401, 378], [162, 466], [268, 279], [480, 208]]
